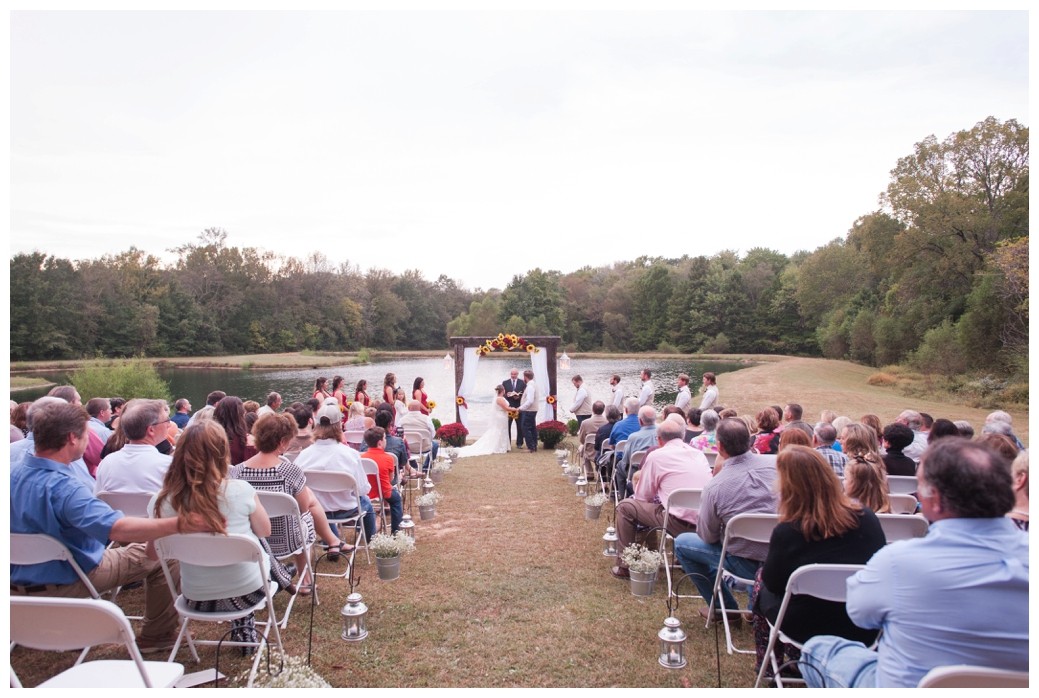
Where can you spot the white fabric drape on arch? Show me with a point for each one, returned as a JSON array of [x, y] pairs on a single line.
[[470, 359], [539, 364]]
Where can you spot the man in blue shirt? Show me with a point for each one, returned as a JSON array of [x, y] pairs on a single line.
[[47, 497], [957, 596], [627, 426]]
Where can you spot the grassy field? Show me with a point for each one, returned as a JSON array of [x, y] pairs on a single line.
[[508, 586]]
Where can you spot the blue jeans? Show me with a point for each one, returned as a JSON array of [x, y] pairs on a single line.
[[367, 520], [396, 507], [700, 560], [833, 662]]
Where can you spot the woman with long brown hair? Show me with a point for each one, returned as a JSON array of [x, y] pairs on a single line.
[[818, 523], [197, 483], [867, 486], [230, 414]]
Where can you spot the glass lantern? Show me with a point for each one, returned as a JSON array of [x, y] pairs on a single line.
[[672, 644], [355, 618], [610, 542], [582, 486]]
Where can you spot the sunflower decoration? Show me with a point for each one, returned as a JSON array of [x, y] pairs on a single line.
[[551, 399], [531, 348], [432, 405], [501, 337], [460, 401], [513, 413]]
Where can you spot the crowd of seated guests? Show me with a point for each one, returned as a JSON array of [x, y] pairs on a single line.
[[825, 481]]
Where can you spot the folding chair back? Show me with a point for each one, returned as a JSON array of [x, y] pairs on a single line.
[[283, 504], [901, 484], [61, 624], [756, 528], [336, 482], [354, 437], [130, 503], [902, 503], [37, 548], [217, 550], [902, 527], [822, 581], [372, 468], [420, 446], [967, 676], [682, 499]]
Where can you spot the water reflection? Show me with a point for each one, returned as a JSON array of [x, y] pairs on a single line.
[[298, 384]]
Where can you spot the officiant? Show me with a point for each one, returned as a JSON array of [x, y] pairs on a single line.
[[514, 386]]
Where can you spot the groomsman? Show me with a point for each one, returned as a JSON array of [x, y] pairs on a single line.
[[684, 396], [618, 393], [514, 387]]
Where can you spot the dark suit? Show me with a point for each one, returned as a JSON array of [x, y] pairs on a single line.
[[514, 402]]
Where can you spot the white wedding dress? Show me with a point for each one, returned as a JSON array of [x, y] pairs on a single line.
[[494, 440]]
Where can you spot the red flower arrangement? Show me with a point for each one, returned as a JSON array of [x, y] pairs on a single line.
[[550, 433], [453, 434]]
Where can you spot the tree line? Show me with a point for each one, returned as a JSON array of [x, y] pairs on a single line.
[[937, 277]]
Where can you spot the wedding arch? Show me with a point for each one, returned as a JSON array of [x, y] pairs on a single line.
[[542, 354]]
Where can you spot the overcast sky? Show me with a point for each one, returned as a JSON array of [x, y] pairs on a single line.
[[480, 145]]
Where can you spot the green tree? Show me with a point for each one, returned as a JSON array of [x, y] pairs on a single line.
[[536, 294]]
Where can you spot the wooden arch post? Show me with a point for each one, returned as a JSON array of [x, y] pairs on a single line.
[[549, 344]]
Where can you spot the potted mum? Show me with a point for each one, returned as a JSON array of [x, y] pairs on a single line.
[[452, 434], [643, 565], [388, 550], [427, 505], [550, 433], [593, 505]]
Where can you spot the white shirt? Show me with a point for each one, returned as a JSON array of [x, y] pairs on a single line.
[[618, 396], [710, 396], [682, 401], [646, 394], [266, 409], [330, 455], [135, 468], [530, 396], [416, 421]]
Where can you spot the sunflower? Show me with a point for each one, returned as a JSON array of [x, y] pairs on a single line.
[[531, 348], [551, 399], [460, 401]]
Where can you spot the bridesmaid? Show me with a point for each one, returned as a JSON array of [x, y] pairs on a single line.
[[361, 394], [417, 393], [337, 392], [319, 389]]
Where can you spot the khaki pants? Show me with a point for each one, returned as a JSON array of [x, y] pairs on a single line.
[[121, 566], [632, 512]]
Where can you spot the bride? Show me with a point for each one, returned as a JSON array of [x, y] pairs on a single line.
[[496, 438]]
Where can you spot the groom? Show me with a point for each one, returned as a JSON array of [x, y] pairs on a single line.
[[513, 393], [528, 408]]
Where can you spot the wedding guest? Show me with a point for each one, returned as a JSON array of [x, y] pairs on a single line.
[[230, 414], [897, 437], [818, 523], [197, 483], [1019, 472], [865, 484], [707, 441], [400, 408]]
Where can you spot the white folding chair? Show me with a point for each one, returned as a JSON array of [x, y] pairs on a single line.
[[61, 624], [635, 462], [828, 582], [130, 503], [354, 437], [420, 446], [902, 503], [37, 548], [756, 528], [372, 468], [901, 484], [684, 499], [967, 676], [618, 453], [337, 482], [588, 451], [217, 550], [284, 504], [902, 527]]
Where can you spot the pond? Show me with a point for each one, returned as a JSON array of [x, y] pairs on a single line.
[[298, 384]]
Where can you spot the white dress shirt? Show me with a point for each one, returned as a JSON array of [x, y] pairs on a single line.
[[135, 468], [683, 399], [646, 394], [530, 396]]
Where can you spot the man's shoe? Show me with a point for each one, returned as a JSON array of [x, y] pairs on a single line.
[[735, 618], [620, 572], [147, 646]]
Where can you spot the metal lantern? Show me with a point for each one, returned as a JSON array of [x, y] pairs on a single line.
[[672, 644], [355, 618], [564, 361], [582, 486], [610, 541], [448, 361], [566, 466], [408, 526], [427, 485]]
